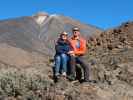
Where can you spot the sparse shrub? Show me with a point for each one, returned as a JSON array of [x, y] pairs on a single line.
[[18, 84]]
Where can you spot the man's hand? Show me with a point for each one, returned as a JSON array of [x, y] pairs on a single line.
[[71, 53]]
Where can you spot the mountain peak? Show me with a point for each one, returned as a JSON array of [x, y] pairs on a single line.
[[41, 14], [40, 17]]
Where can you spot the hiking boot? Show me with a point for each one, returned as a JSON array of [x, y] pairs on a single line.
[[90, 81], [93, 81], [56, 77], [71, 78], [86, 81]]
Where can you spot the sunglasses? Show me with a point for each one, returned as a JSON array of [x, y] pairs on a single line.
[[75, 31]]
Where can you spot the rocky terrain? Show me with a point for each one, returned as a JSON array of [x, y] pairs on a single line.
[[26, 69]]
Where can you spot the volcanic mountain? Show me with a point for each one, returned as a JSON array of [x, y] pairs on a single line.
[[37, 33]]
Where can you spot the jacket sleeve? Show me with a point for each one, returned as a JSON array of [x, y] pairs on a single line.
[[59, 49]]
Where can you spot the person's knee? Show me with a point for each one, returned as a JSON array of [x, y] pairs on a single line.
[[57, 59], [84, 64], [64, 56]]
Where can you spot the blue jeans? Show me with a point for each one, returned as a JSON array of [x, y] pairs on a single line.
[[61, 60]]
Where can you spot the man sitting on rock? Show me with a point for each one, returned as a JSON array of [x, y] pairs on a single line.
[[78, 44]]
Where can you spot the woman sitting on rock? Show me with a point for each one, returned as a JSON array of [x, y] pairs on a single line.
[[62, 48]]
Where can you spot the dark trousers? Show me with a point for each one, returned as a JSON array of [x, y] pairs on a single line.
[[79, 60]]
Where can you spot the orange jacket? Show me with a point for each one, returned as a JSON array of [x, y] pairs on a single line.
[[82, 49]]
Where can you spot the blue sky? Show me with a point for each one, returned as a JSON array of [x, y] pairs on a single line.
[[101, 13]]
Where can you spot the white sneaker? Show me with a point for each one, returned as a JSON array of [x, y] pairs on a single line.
[[57, 74], [64, 74]]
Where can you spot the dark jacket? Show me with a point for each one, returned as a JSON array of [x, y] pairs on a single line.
[[62, 46]]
